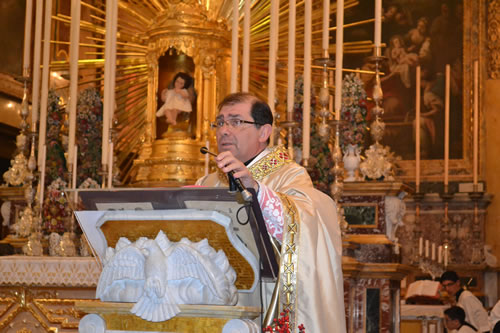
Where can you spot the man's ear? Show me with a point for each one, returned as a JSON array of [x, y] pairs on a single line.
[[265, 132]]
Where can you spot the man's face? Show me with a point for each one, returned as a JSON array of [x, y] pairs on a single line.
[[245, 141], [451, 324], [451, 287]]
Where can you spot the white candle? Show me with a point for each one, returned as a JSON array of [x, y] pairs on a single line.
[[475, 153], [326, 25], [36, 65], [440, 254], [427, 248], [420, 246], [273, 54], [245, 71], [445, 256], [110, 166], [378, 23], [109, 78], [433, 251], [42, 176], [75, 166], [27, 38], [73, 72], [447, 125], [234, 46], [291, 60], [339, 57], [306, 116], [45, 80], [417, 132]]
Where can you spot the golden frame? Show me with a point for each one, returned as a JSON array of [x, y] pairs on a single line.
[[460, 169]]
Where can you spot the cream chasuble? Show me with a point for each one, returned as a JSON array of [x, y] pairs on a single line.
[[311, 283]]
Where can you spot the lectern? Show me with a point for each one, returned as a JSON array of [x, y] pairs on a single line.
[[220, 216]]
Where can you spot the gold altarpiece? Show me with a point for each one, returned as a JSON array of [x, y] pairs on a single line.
[[174, 158]]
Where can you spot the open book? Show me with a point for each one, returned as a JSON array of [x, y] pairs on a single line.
[[423, 292]]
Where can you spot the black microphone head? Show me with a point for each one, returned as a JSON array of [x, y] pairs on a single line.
[[204, 150]]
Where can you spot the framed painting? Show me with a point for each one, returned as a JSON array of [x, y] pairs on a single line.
[[430, 34]]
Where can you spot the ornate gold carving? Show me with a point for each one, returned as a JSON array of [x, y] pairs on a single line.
[[192, 318], [48, 311], [493, 39]]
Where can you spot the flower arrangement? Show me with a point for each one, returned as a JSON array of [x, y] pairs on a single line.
[[353, 112], [56, 162], [282, 325], [56, 211], [89, 135]]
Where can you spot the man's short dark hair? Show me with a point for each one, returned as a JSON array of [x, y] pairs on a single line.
[[449, 276], [260, 110], [456, 313]]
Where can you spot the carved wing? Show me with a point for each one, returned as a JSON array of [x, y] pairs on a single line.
[[126, 264], [185, 262]]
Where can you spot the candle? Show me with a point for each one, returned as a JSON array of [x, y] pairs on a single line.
[[110, 166], [417, 132], [420, 246], [433, 251], [234, 46], [338, 58], [273, 54], [36, 65], [378, 24], [326, 25], [42, 175], [447, 126], [306, 112], [245, 71], [75, 163], [445, 255], [45, 81], [476, 125], [427, 248], [440, 254], [73, 72], [27, 37], [291, 61]]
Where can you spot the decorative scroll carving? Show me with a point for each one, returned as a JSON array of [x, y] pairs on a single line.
[[493, 39]]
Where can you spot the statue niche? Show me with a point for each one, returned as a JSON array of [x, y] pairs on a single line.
[[182, 39], [176, 106]]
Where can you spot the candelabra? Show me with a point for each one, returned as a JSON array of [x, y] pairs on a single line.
[[446, 196], [477, 256], [377, 164]]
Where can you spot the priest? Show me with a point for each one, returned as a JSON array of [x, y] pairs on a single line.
[[302, 219]]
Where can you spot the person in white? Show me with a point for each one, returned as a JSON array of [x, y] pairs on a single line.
[[297, 215], [454, 319], [177, 98], [475, 313]]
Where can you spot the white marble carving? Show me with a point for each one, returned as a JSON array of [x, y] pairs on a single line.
[[159, 274], [5, 211], [395, 210], [92, 323]]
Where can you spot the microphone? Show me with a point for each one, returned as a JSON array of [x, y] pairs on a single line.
[[247, 196]]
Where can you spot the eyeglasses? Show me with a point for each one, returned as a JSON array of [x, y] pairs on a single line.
[[446, 285], [231, 123]]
